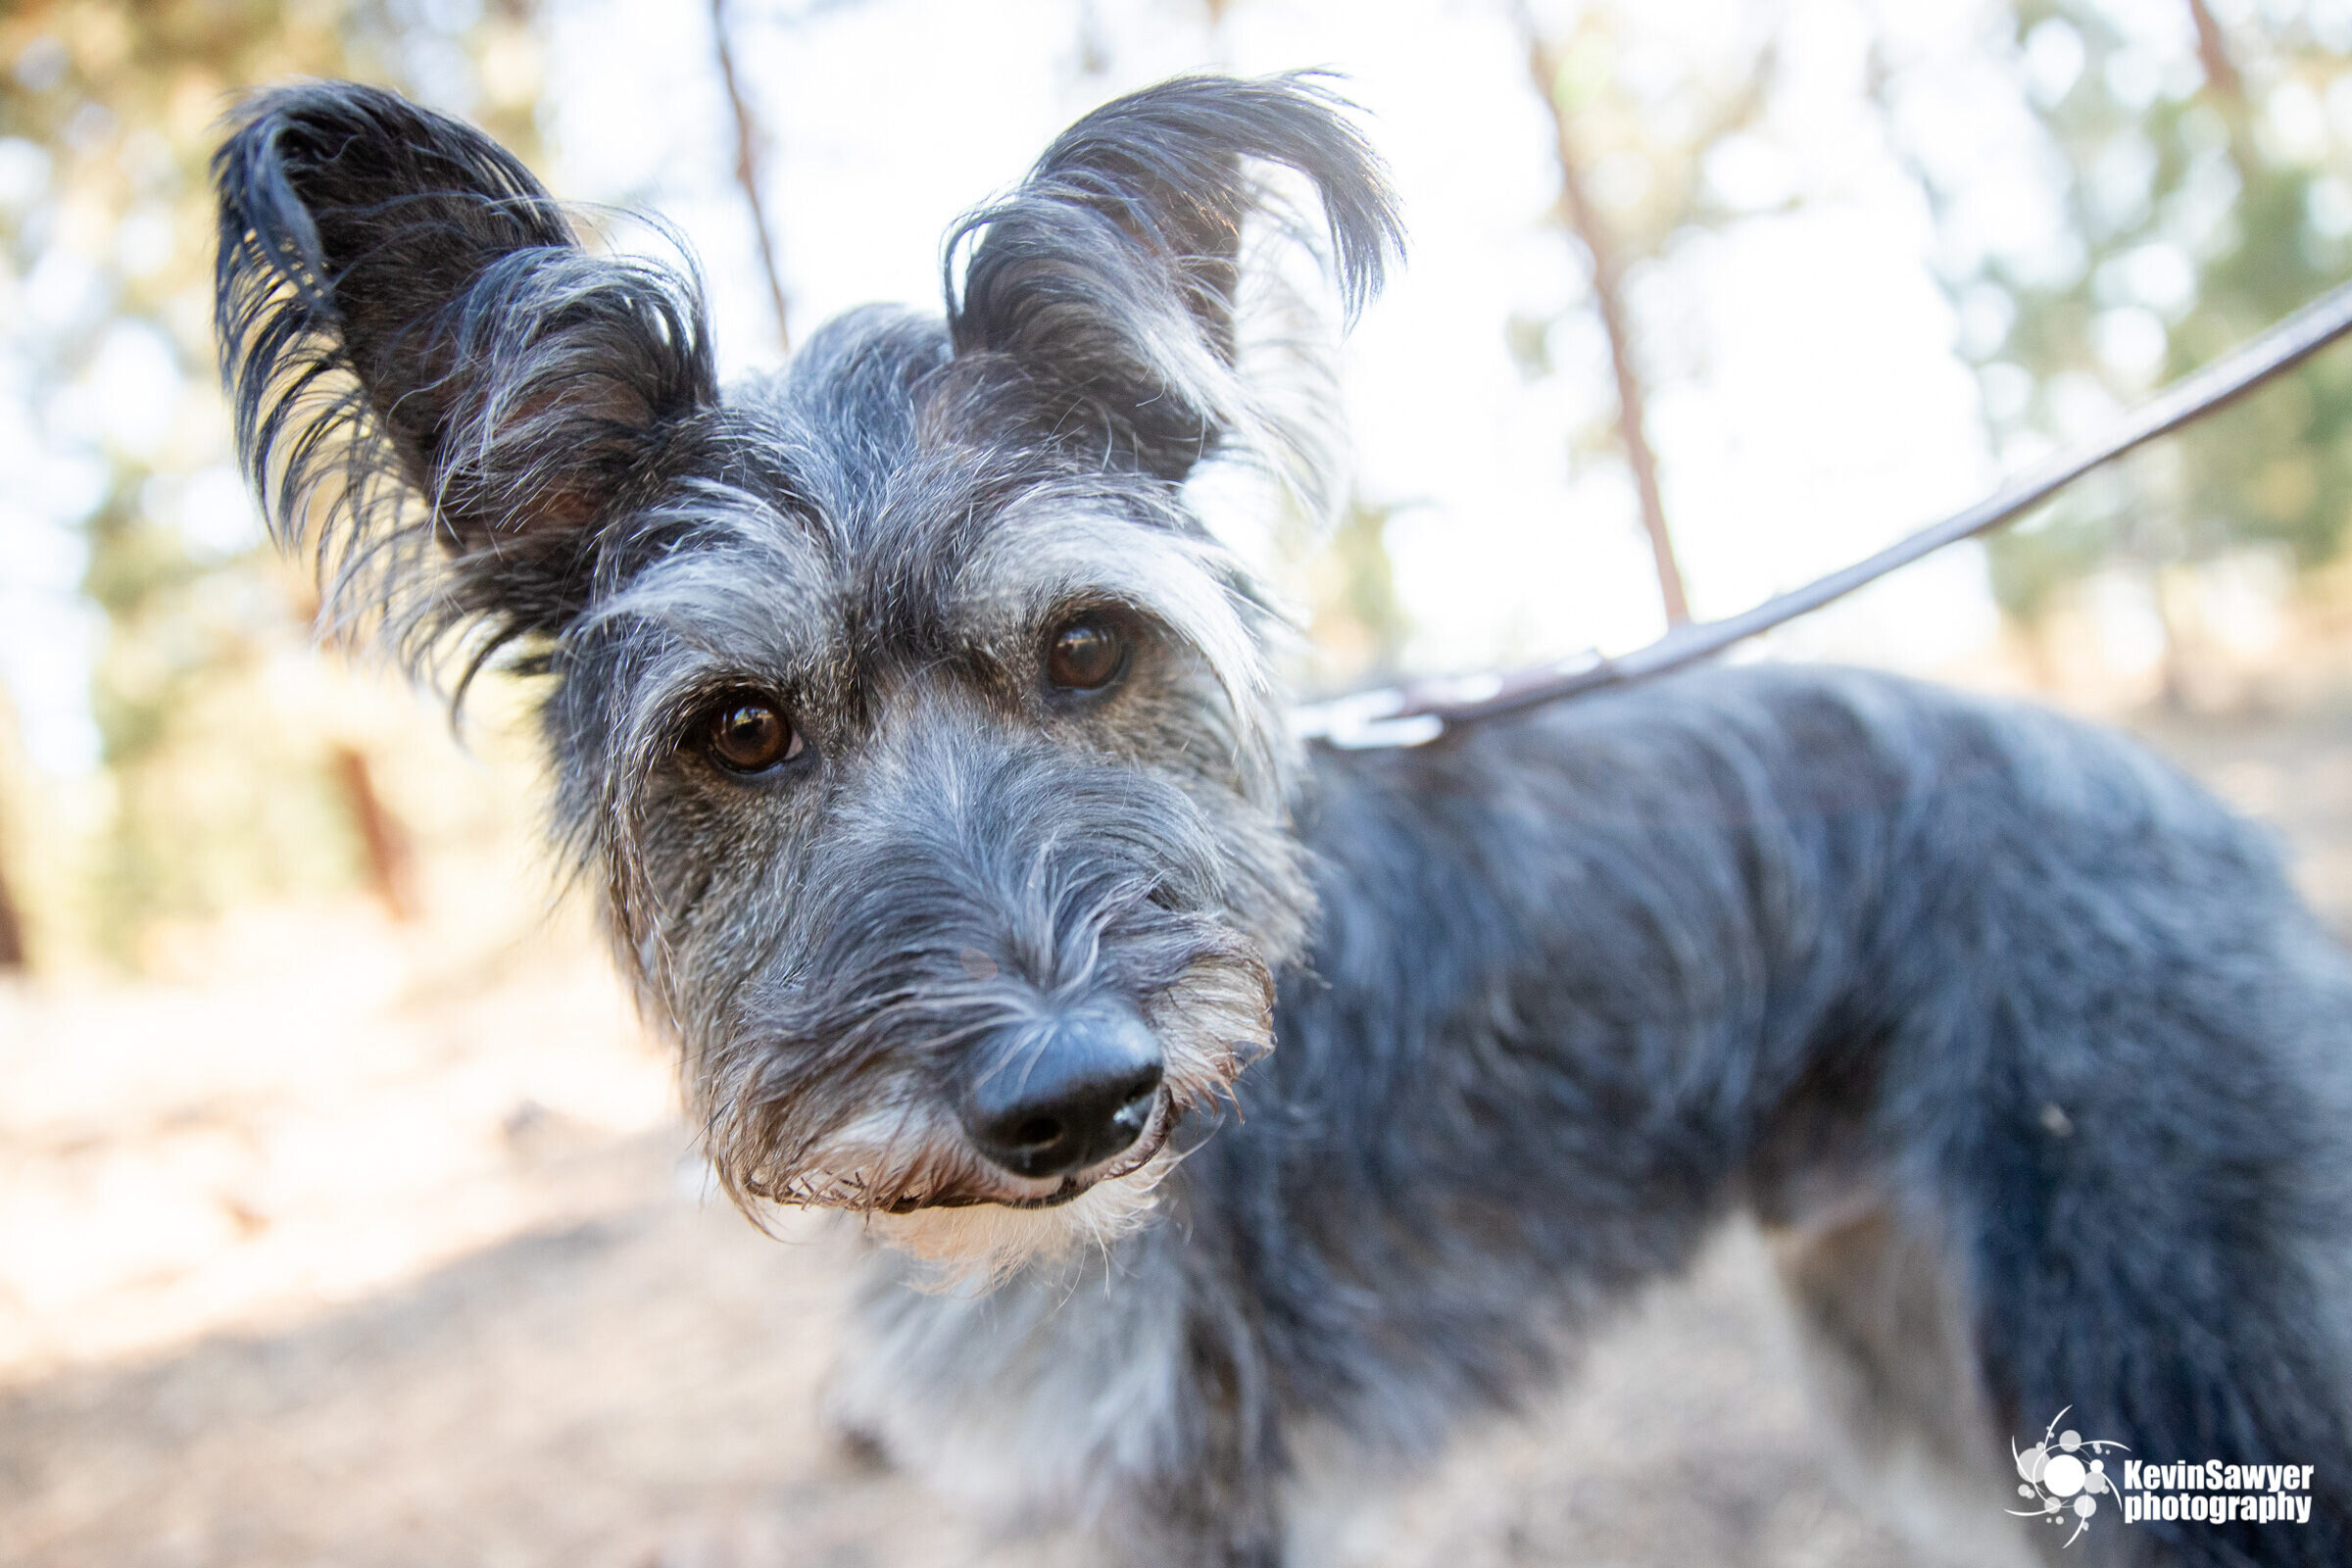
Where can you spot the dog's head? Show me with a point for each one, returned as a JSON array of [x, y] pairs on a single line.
[[919, 731]]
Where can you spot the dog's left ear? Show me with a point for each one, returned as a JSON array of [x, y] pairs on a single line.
[[436, 388], [1109, 277]]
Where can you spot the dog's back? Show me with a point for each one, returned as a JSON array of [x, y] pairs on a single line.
[[2021, 1045]]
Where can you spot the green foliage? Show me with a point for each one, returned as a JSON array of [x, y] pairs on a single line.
[[2203, 187]]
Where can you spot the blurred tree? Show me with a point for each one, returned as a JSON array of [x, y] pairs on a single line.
[[2195, 171], [752, 150], [12, 931], [108, 113], [13, 939], [1358, 625], [1632, 150]]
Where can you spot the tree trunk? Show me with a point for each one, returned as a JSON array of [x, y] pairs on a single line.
[[749, 144], [12, 932], [383, 838], [1608, 294], [2212, 53]]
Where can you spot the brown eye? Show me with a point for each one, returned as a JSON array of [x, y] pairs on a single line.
[[749, 735], [1085, 655]]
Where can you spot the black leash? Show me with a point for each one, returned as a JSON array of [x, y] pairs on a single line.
[[1422, 710]]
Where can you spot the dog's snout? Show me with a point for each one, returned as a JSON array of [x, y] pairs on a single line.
[[1045, 1101]]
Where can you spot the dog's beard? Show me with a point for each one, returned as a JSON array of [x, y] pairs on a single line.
[[902, 1166], [977, 1246]]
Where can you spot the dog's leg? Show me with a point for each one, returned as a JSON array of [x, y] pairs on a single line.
[[2153, 1210], [1882, 1336], [2183, 1307], [2074, 1140]]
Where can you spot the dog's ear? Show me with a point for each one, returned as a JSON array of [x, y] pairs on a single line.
[[1110, 275], [436, 389]]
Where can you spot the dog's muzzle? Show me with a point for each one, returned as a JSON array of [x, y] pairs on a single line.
[[1061, 1094]]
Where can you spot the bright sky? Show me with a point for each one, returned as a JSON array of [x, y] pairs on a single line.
[[1826, 411]]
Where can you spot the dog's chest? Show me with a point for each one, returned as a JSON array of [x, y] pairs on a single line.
[[1057, 1390]]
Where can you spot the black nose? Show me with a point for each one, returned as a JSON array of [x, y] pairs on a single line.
[[1059, 1096]]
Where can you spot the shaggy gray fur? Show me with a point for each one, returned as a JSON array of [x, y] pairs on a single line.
[[2020, 1047]]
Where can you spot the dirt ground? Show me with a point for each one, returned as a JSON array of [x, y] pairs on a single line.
[[360, 1247]]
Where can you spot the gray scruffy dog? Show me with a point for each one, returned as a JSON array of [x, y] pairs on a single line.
[[1261, 1100]]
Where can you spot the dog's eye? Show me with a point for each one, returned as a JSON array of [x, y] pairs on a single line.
[[749, 735], [1085, 655]]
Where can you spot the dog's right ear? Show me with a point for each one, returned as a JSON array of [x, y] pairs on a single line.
[[436, 389]]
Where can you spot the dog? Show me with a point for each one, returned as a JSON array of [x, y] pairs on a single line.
[[1218, 1101]]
